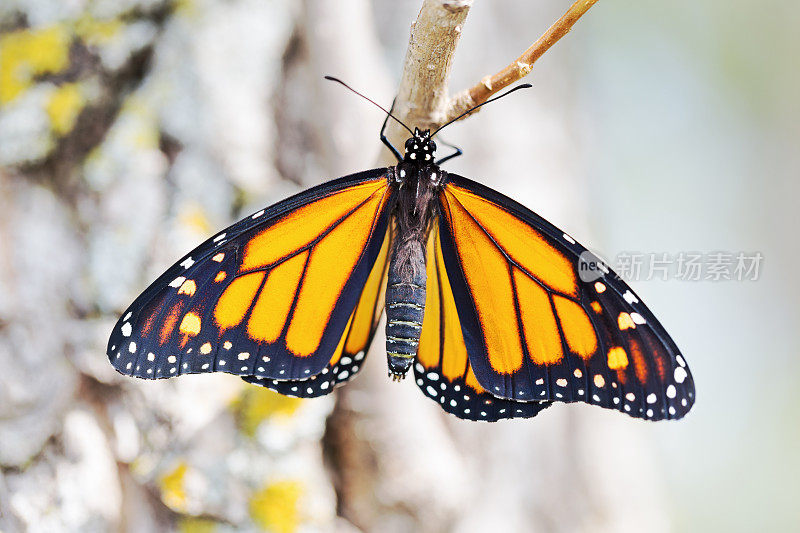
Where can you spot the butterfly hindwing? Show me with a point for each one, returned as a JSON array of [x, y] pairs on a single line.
[[534, 330], [443, 370], [348, 358], [269, 296]]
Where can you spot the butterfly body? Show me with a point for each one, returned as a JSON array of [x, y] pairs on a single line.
[[418, 180], [482, 296]]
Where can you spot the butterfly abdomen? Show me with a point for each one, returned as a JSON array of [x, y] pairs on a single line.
[[405, 306]]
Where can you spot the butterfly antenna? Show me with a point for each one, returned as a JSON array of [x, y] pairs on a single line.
[[470, 110], [376, 104]]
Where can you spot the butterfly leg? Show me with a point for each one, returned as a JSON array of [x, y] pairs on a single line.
[[385, 140], [457, 152]]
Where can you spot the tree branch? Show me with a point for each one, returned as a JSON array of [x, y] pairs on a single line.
[[422, 99], [521, 67]]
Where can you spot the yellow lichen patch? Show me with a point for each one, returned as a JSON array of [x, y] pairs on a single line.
[[192, 217], [64, 106], [142, 130], [617, 358], [96, 32], [28, 53], [173, 492], [275, 507], [257, 404], [186, 8], [191, 524]]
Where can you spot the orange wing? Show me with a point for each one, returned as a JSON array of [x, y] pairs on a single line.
[[269, 297], [354, 343], [443, 370], [534, 330]]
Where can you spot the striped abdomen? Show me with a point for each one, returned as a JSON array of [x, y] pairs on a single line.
[[405, 306]]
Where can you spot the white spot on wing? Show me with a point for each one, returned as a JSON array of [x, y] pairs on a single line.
[[637, 318], [126, 329], [630, 298], [680, 374], [187, 262], [569, 239], [177, 282], [599, 287], [256, 215]]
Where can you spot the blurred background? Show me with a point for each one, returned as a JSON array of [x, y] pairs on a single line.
[[131, 130]]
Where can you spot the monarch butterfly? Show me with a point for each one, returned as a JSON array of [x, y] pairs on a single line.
[[483, 300]]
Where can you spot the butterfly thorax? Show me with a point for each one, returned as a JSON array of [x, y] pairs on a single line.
[[418, 180]]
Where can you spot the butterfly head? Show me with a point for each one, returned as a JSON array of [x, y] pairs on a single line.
[[420, 148]]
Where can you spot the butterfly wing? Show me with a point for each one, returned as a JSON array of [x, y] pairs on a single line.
[[269, 296], [534, 330], [354, 343], [443, 371]]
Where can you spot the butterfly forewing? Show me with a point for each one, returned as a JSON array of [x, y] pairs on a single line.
[[271, 296], [534, 330]]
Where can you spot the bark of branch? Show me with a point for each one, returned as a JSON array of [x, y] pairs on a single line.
[[422, 99], [520, 67]]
